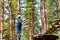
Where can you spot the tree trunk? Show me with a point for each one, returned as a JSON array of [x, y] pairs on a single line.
[[43, 16], [59, 8], [13, 29], [18, 6], [32, 20], [1, 21], [31, 23], [13, 18], [29, 31], [10, 20]]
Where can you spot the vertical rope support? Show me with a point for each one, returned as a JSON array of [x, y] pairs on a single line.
[[43, 16]]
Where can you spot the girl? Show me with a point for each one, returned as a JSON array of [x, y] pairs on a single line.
[[19, 26]]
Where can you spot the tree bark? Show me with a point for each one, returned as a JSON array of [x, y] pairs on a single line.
[[31, 24], [19, 7], [59, 8], [10, 20], [13, 18], [43, 16], [29, 31], [1, 21], [32, 20]]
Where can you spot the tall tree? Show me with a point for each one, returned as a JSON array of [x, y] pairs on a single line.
[[32, 19], [14, 12], [10, 20], [30, 15], [52, 6], [43, 16], [2, 20]]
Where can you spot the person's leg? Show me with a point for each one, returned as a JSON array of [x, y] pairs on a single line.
[[19, 30], [19, 36]]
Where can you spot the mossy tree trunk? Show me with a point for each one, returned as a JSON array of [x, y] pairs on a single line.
[[32, 20]]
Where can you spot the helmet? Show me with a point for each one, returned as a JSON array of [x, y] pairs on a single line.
[[19, 15]]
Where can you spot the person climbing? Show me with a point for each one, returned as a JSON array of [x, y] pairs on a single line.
[[19, 26]]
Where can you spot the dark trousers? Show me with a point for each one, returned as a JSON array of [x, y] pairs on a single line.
[[19, 27]]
